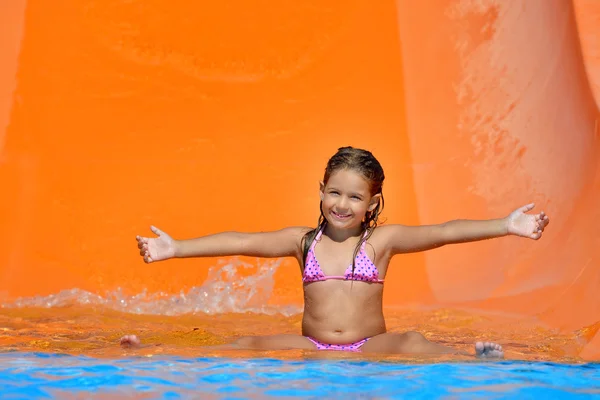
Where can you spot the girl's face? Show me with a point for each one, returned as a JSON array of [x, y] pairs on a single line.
[[347, 198]]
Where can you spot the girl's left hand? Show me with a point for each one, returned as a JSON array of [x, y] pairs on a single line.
[[527, 225]]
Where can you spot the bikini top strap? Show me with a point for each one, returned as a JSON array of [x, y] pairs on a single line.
[[364, 237], [316, 239]]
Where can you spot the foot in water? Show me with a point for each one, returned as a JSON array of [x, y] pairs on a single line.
[[488, 350], [130, 341]]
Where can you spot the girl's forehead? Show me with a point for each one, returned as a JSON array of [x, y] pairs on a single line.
[[348, 178]]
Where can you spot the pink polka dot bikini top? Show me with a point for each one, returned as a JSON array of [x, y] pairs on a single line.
[[364, 269]]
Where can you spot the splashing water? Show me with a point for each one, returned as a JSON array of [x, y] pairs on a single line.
[[225, 290]]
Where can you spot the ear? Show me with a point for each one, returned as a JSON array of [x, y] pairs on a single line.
[[374, 202], [322, 190]]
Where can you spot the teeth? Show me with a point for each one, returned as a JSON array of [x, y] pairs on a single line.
[[342, 215]]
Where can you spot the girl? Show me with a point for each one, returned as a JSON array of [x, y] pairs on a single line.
[[344, 261]]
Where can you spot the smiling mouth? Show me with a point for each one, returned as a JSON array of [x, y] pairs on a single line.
[[340, 216]]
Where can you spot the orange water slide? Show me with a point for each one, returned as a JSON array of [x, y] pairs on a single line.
[[201, 117]]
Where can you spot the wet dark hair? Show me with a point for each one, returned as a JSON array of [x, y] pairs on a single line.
[[363, 162]]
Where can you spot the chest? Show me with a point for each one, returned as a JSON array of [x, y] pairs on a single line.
[[336, 258]]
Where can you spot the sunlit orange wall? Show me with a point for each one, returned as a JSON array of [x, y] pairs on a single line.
[[201, 117]]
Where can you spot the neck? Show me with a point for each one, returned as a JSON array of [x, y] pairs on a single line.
[[341, 235]]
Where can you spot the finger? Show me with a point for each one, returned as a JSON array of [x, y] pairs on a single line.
[[527, 207], [142, 252], [155, 230]]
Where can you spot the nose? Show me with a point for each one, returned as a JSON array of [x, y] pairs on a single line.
[[342, 204]]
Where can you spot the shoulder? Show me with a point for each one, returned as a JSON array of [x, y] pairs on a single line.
[[383, 235], [386, 231], [296, 233]]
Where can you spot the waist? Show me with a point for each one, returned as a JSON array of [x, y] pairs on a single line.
[[343, 329], [346, 337]]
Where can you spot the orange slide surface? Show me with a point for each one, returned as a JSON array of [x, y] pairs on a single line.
[[200, 117]]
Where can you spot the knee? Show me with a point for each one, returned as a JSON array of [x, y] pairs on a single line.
[[409, 342], [247, 342], [413, 338]]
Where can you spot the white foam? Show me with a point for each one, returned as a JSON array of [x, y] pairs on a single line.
[[225, 290]]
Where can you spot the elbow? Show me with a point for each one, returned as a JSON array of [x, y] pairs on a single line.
[[243, 244], [445, 234]]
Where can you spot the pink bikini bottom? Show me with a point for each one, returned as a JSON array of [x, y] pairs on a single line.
[[339, 347]]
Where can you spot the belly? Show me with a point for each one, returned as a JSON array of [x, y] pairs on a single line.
[[340, 312]]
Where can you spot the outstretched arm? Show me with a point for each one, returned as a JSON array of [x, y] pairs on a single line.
[[406, 239], [281, 243]]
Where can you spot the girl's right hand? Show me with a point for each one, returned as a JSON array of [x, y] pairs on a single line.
[[156, 249]]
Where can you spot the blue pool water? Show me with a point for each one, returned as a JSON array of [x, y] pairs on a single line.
[[43, 376]]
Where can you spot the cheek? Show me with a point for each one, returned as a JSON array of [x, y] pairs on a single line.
[[360, 208], [327, 202]]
